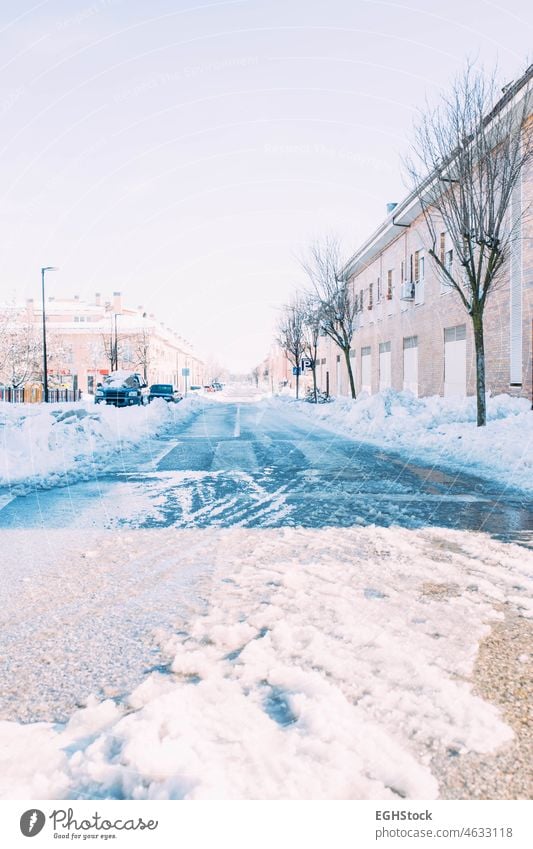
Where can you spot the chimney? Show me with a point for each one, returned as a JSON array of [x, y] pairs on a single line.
[[117, 302], [391, 207], [98, 299]]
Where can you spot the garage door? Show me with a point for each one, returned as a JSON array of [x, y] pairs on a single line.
[[384, 366], [410, 364], [366, 370], [455, 361]]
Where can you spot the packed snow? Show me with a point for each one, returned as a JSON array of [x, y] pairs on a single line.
[[327, 664], [438, 430], [47, 445]]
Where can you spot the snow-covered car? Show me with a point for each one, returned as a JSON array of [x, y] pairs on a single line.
[[165, 391], [123, 389]]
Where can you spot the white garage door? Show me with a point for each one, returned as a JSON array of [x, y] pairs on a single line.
[[410, 364], [455, 361], [384, 366], [366, 370]]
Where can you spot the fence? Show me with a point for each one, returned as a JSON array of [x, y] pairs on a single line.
[[34, 394]]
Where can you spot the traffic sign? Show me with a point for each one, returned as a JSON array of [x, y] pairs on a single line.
[[295, 370], [185, 372], [307, 363]]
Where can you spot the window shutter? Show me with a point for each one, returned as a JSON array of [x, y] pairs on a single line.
[[442, 246], [370, 295], [389, 284]]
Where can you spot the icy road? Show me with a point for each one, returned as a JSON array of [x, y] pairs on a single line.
[[260, 608], [252, 465]]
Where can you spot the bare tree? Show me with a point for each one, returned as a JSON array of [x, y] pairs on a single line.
[[108, 345], [21, 351], [255, 376], [291, 335], [335, 296], [313, 331], [141, 351], [466, 162]]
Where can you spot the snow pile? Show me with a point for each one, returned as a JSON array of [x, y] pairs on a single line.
[[46, 445], [317, 664], [439, 430]]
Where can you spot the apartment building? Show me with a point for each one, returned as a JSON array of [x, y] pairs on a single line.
[[412, 331], [85, 338]]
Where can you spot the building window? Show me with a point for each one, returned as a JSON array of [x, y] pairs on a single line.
[[448, 260], [361, 299], [370, 295], [378, 289], [389, 284], [419, 266]]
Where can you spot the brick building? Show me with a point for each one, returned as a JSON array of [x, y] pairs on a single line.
[[413, 332], [81, 336]]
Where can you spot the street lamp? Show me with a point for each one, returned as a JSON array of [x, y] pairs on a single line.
[[116, 343], [45, 365]]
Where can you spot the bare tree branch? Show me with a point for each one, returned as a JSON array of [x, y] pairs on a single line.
[[467, 159]]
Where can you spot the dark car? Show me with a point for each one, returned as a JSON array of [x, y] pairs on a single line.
[[122, 389], [165, 391]]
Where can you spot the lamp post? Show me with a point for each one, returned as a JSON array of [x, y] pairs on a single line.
[[45, 364], [116, 344]]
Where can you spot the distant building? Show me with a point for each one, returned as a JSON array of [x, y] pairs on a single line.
[[81, 343]]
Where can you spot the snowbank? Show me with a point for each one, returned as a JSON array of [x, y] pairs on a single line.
[[310, 664], [438, 430], [46, 445]]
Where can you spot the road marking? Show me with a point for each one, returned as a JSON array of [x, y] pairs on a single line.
[[5, 500], [237, 431]]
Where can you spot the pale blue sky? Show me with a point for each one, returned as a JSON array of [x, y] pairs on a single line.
[[185, 153]]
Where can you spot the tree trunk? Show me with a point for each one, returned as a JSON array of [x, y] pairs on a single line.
[[477, 321], [297, 382], [315, 393], [350, 372]]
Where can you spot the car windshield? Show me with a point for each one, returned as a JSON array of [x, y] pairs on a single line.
[[161, 387]]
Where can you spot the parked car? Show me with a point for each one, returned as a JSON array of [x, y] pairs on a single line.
[[195, 388], [165, 391], [123, 389]]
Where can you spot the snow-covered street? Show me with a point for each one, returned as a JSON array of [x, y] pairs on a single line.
[[305, 664], [259, 465], [242, 603]]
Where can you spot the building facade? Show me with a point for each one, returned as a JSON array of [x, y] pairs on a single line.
[[86, 340], [412, 331]]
